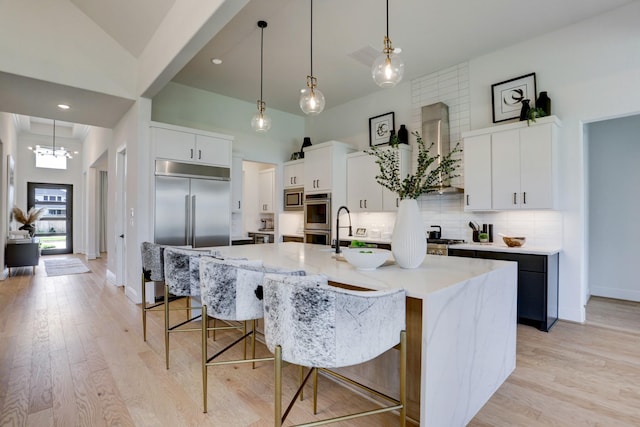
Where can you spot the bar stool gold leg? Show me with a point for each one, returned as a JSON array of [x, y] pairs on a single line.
[[166, 324], [403, 378], [278, 387], [144, 308], [315, 391], [301, 370], [253, 342], [204, 358]]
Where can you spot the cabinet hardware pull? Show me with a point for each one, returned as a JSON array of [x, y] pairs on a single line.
[[467, 200], [191, 155], [199, 154], [514, 199], [365, 203], [360, 203], [398, 202], [524, 197], [238, 204]]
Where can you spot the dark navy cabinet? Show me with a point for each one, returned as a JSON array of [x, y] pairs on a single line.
[[537, 284]]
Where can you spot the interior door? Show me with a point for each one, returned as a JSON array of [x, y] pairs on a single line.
[[55, 227]]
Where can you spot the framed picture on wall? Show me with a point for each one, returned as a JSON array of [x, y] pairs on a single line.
[[507, 96], [380, 129]]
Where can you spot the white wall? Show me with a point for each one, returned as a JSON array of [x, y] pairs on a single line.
[[613, 150], [9, 141]]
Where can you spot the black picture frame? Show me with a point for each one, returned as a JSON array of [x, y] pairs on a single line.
[[507, 96], [381, 128]]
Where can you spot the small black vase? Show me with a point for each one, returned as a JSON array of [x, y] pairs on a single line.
[[544, 102], [524, 110], [403, 135], [392, 136], [30, 228]]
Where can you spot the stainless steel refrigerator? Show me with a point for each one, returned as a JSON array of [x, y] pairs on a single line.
[[192, 204]]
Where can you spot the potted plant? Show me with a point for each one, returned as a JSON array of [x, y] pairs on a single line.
[[28, 219], [408, 242]]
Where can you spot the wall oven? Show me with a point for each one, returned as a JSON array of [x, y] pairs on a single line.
[[294, 199], [317, 218]]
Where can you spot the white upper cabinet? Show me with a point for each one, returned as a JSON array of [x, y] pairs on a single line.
[[364, 194], [191, 147], [293, 174], [236, 184], [265, 190], [325, 167], [477, 172], [521, 169]]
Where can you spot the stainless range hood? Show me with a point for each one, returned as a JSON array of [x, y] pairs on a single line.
[[435, 129]]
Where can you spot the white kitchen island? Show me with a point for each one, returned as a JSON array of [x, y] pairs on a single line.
[[465, 332]]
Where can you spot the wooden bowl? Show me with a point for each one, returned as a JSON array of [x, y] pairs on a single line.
[[514, 242]]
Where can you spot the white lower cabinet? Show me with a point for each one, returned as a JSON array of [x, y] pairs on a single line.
[[512, 167]]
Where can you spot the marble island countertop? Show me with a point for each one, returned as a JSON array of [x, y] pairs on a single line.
[[501, 247], [461, 322]]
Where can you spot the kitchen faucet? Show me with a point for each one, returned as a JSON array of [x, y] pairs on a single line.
[[338, 227]]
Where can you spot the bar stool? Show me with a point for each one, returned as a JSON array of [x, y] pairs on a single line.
[[152, 271], [311, 324], [182, 280], [232, 291]]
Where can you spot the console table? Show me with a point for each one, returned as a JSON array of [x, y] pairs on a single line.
[[23, 255]]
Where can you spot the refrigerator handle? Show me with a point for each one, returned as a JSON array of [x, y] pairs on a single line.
[[187, 240], [193, 221]]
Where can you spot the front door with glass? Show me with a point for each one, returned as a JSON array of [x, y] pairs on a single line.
[[55, 228]]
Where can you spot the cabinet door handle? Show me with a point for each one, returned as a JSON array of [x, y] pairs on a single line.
[[360, 203], [191, 153], [524, 197], [397, 202], [365, 203], [295, 179], [467, 200], [515, 196], [238, 204], [199, 154]]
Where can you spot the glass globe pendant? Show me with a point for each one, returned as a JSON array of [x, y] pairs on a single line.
[[261, 122], [388, 68], [311, 99]]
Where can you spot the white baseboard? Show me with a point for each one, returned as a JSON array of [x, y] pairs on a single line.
[[91, 256], [132, 294], [111, 278], [617, 293], [572, 314]]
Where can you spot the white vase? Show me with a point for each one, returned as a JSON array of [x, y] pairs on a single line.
[[408, 242]]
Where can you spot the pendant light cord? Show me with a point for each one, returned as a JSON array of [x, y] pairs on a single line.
[[54, 138], [387, 18], [311, 38], [261, 58]]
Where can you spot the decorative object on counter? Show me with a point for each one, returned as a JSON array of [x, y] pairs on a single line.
[[483, 237], [366, 258], [544, 102], [514, 242], [533, 113], [435, 234], [524, 110], [388, 68], [361, 232], [297, 155], [311, 99], [392, 136], [380, 128], [28, 219], [403, 135], [507, 96], [408, 242], [261, 122]]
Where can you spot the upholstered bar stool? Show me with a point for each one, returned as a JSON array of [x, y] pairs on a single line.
[[181, 279], [232, 291], [311, 324], [152, 271]]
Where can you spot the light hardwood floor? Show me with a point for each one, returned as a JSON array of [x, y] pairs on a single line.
[[71, 354]]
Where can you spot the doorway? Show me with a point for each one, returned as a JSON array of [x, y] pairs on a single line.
[[55, 228]]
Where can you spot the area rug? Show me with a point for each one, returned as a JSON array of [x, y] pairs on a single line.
[[62, 266]]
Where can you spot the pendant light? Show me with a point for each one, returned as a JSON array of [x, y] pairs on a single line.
[[52, 151], [388, 68], [311, 99], [261, 122]]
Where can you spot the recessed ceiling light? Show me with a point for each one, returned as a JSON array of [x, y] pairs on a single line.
[[63, 106], [397, 50], [216, 61]]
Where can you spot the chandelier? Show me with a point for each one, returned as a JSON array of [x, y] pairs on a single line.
[[52, 151]]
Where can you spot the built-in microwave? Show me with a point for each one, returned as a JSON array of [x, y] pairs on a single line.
[[294, 199]]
